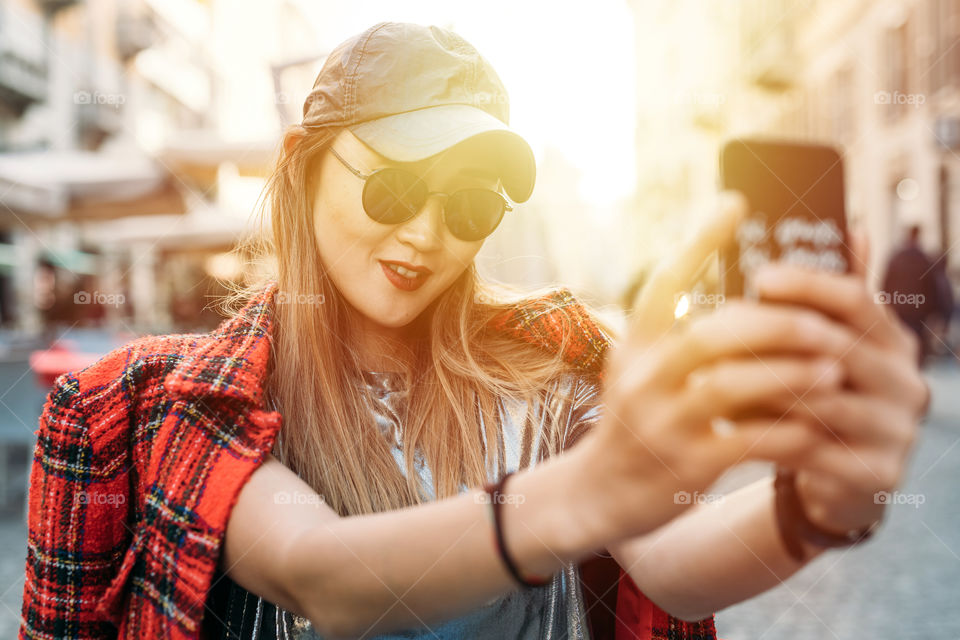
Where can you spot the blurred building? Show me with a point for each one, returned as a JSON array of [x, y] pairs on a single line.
[[69, 159], [880, 80], [685, 56], [132, 151]]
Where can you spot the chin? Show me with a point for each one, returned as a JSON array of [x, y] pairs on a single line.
[[393, 322], [395, 316]]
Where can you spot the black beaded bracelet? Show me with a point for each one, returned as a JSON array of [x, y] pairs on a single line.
[[794, 524], [494, 499]]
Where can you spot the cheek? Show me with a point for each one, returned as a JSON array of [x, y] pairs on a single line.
[[458, 256], [343, 234]]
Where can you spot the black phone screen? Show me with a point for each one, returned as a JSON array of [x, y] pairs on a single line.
[[796, 199]]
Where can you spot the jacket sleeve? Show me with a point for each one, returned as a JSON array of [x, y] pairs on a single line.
[[78, 507]]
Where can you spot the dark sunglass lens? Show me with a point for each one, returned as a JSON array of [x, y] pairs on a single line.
[[473, 214], [391, 196]]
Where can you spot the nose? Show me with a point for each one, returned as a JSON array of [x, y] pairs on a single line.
[[424, 231]]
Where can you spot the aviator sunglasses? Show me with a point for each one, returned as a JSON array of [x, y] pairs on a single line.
[[392, 196]]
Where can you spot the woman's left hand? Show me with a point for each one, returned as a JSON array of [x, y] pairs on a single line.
[[870, 425]]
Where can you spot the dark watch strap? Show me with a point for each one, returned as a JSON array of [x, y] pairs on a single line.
[[794, 525]]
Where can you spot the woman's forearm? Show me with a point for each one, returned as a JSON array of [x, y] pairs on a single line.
[[714, 555], [419, 565]]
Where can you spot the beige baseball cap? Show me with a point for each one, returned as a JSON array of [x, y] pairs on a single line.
[[410, 92]]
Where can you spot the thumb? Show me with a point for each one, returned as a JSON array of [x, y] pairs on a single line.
[[677, 273]]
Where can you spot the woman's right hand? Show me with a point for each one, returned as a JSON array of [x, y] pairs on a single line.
[[667, 382]]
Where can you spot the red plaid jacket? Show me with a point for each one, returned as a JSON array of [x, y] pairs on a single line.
[[141, 455]]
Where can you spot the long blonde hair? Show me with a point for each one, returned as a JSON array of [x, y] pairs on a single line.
[[460, 366]]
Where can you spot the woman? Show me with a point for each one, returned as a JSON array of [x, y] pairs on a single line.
[[441, 446]]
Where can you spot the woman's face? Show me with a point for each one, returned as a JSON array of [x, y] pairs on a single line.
[[355, 249]]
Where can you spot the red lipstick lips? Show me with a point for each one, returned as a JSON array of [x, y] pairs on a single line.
[[403, 275]]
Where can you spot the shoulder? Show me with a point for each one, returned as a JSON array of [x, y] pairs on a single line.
[[170, 426], [123, 372], [559, 321], [548, 306], [229, 361], [109, 419], [96, 388], [158, 389]]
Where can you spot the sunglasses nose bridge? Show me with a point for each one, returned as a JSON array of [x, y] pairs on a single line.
[[422, 201], [427, 229], [429, 197]]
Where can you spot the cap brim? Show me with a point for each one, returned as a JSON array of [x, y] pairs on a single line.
[[415, 135]]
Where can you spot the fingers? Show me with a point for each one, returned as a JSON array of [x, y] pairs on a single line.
[[857, 419], [730, 386], [656, 303], [865, 447], [743, 329], [783, 441], [884, 374], [863, 469], [840, 296], [883, 359]]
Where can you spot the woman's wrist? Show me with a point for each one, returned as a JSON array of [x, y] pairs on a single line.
[[841, 518], [572, 505], [807, 526], [552, 515]]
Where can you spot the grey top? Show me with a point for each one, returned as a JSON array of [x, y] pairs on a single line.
[[553, 611]]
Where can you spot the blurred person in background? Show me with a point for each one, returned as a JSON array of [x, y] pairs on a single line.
[[910, 287], [379, 442], [90, 310], [945, 304], [54, 289]]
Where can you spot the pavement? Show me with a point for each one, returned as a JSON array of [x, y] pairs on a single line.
[[902, 584]]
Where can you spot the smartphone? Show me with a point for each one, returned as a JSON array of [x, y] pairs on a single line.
[[796, 199]]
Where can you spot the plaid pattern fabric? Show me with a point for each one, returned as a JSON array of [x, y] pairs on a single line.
[[141, 455]]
